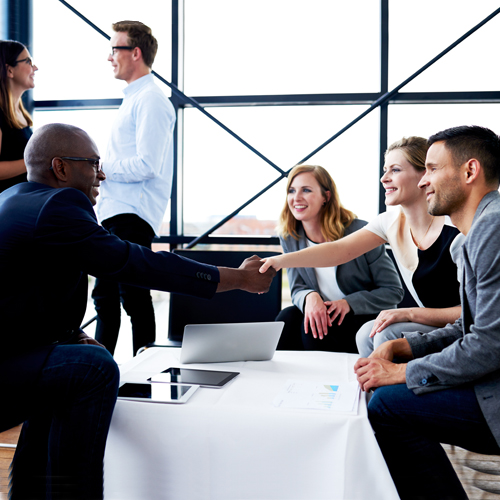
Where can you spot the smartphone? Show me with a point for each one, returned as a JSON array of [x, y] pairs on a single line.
[[192, 376], [156, 393]]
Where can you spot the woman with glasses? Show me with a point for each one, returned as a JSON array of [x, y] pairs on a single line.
[[17, 73]]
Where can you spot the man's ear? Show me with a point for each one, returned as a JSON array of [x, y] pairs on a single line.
[[473, 169], [60, 169], [137, 54]]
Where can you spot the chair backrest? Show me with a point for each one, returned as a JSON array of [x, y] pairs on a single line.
[[235, 306]]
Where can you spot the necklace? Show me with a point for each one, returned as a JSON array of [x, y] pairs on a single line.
[[423, 237]]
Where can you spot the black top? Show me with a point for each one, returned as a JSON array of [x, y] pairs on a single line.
[[14, 141], [435, 279]]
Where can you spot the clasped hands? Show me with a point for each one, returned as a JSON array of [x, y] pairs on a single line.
[[378, 369], [319, 315]]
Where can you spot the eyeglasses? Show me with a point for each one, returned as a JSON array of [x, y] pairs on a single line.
[[26, 60], [95, 162], [120, 47]]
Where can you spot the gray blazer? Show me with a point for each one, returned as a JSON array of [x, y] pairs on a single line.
[[468, 350], [370, 283]]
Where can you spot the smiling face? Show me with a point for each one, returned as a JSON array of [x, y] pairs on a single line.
[[22, 75], [122, 60], [305, 197], [443, 181], [83, 175], [400, 180]]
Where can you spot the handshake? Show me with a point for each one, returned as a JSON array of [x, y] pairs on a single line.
[[246, 277]]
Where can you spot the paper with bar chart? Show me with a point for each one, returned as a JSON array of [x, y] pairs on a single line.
[[342, 397]]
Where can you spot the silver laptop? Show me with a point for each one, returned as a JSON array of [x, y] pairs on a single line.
[[219, 343]]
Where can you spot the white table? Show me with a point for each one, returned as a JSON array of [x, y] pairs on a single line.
[[233, 444]]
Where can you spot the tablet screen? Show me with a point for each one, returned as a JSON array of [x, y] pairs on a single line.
[[205, 378], [160, 393]]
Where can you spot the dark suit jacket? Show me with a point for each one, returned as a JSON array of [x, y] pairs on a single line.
[[370, 282], [49, 242], [469, 350]]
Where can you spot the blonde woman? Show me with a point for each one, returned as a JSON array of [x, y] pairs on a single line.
[[17, 73], [421, 243], [330, 304]]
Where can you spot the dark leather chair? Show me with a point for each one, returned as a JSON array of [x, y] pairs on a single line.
[[235, 306]]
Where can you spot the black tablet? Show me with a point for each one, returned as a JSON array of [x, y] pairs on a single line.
[[156, 393], [191, 376]]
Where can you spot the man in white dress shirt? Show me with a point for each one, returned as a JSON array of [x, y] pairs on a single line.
[[139, 167]]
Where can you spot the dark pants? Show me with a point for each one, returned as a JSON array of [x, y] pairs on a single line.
[[410, 428], [340, 338], [137, 302], [61, 448]]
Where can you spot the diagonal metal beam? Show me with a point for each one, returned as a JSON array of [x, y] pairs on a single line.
[[380, 101], [180, 94]]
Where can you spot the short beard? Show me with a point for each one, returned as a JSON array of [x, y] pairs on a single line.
[[448, 204]]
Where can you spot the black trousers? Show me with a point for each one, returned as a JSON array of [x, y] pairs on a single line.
[[340, 338], [137, 302]]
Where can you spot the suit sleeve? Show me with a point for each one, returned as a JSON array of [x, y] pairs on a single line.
[[469, 349], [68, 232]]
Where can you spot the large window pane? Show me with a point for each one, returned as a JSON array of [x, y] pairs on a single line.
[[97, 123], [281, 47], [419, 31], [220, 174], [72, 56], [405, 120]]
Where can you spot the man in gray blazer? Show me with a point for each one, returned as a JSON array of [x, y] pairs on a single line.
[[446, 386]]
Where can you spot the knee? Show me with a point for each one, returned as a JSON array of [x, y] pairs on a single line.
[[389, 333], [364, 342], [289, 314], [105, 367]]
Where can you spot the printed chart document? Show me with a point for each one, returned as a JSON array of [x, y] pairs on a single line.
[[343, 397]]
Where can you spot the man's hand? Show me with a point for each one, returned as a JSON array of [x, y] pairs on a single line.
[[375, 372], [391, 349], [316, 318], [83, 338], [247, 277]]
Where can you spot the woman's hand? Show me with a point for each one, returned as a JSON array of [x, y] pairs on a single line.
[[386, 318], [337, 309], [316, 316], [271, 262]]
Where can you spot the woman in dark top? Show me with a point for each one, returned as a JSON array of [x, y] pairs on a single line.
[[17, 73]]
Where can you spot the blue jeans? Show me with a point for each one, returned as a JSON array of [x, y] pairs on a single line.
[[410, 428], [61, 448]]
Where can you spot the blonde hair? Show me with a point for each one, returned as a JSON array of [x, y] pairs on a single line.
[[414, 149], [334, 218]]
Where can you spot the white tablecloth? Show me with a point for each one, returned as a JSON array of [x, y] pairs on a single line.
[[233, 444]]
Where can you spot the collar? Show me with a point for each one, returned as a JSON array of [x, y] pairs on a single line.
[[487, 199], [137, 85]]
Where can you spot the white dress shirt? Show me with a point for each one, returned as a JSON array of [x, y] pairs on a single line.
[[139, 159]]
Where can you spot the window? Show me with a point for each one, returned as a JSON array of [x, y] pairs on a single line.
[[285, 76]]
